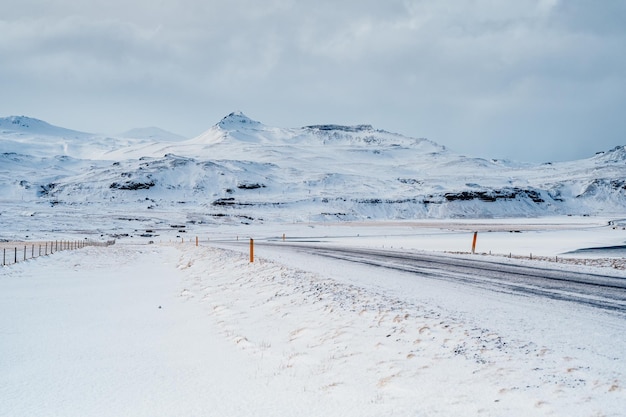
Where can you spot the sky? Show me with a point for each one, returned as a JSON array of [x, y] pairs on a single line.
[[527, 80]]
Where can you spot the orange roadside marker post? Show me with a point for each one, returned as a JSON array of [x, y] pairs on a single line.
[[474, 242]]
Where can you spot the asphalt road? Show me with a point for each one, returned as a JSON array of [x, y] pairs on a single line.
[[599, 291]]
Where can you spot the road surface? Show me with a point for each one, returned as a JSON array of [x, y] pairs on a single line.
[[600, 291]]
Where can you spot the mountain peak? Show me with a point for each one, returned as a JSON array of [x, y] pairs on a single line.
[[237, 120], [21, 123], [617, 154]]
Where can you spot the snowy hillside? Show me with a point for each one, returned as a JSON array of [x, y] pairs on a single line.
[[241, 170]]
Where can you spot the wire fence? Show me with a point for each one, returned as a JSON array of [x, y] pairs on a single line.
[[14, 252]]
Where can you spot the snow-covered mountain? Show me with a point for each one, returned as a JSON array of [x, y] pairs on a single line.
[[241, 170]]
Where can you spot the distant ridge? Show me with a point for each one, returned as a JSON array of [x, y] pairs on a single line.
[[153, 133], [24, 124]]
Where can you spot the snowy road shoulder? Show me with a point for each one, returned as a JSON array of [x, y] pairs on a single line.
[[366, 346]]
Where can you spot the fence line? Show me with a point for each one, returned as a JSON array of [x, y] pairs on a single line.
[[12, 254]]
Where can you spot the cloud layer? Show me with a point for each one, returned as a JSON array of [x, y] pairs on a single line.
[[529, 80]]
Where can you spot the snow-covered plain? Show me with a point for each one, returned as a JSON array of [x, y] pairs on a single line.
[[173, 329], [157, 326]]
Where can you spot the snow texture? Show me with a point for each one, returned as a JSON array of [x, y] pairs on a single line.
[[175, 329]]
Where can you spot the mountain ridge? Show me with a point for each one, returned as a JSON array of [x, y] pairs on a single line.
[[151, 133], [240, 170], [25, 124]]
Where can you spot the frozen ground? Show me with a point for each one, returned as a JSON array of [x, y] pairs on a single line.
[[169, 328]]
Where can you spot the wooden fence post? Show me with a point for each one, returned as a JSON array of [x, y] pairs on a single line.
[[251, 250]]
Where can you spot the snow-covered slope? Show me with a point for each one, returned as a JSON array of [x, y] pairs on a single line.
[[243, 170]]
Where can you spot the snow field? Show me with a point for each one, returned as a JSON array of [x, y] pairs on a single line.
[[173, 329], [83, 334]]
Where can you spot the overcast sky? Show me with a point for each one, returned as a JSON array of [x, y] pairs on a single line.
[[528, 80]]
